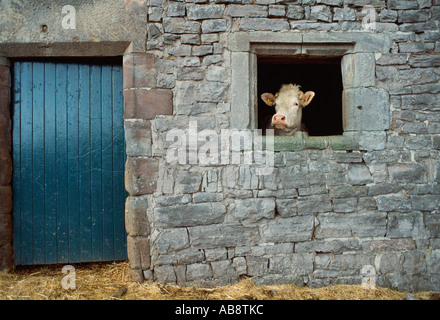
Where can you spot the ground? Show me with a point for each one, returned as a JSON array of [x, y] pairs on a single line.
[[103, 281]]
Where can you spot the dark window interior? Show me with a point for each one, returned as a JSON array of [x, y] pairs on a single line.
[[323, 116]]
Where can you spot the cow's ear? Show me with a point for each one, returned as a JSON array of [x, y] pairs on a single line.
[[307, 98], [268, 98]]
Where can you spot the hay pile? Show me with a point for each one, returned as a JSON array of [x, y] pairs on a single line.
[[103, 281]]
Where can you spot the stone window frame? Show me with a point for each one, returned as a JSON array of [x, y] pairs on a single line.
[[365, 107]]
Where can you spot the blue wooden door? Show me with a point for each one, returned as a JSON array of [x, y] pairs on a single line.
[[68, 159]]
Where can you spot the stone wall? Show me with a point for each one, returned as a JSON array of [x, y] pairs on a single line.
[[324, 213]]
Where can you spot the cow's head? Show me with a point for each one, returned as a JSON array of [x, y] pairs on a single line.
[[288, 103]]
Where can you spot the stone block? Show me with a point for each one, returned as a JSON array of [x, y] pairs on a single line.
[[5, 170], [189, 215], [427, 202], [138, 251], [202, 12], [139, 70], [286, 207], [141, 175], [321, 13], [298, 228], [214, 25], [5, 78], [330, 265], [180, 26], [189, 182], [170, 241], [277, 10], [402, 4], [358, 174], [295, 12], [240, 265], [146, 104], [314, 204], [5, 200], [176, 9], [263, 24], [136, 220], [6, 230], [407, 172], [165, 274], [252, 210], [359, 224], [198, 272], [366, 109], [358, 70], [137, 138], [398, 202], [246, 11], [406, 225], [256, 266], [372, 140], [222, 235], [335, 246], [213, 91], [224, 271]]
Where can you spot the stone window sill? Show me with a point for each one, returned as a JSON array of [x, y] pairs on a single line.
[[301, 141]]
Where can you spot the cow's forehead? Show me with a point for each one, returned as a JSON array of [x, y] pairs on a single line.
[[286, 96]]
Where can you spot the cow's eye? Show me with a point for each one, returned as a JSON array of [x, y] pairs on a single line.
[[295, 104]]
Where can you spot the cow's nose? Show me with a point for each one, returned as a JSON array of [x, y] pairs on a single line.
[[279, 119]]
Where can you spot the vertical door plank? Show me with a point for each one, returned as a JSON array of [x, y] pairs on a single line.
[[119, 193], [96, 163], [107, 163], [16, 158], [50, 196], [38, 209], [73, 162], [26, 164], [85, 218], [62, 164]]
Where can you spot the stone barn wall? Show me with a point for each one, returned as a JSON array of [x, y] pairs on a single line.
[[333, 207]]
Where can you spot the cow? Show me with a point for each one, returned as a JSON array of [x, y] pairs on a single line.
[[288, 103]]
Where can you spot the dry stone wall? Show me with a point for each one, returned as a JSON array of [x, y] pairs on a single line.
[[324, 213]]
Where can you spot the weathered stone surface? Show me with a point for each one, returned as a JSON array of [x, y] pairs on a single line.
[[358, 174], [138, 251], [264, 24], [406, 225], [222, 235], [141, 175], [139, 71], [138, 138], [201, 12], [189, 214], [189, 182], [180, 25], [146, 104], [253, 210], [360, 224], [407, 172], [170, 241], [298, 228], [213, 91], [198, 272], [136, 220], [368, 109], [321, 13]]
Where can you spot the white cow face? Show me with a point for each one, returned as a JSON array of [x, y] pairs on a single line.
[[288, 102]]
